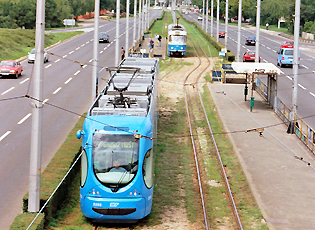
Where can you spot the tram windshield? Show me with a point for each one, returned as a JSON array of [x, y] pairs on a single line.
[[115, 159], [177, 38]]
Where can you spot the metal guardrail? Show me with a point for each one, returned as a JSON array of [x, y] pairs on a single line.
[[301, 129]]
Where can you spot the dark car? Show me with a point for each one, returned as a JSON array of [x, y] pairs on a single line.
[[103, 37], [250, 40]]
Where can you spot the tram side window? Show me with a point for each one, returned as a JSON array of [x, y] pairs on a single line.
[[84, 167], [148, 168]]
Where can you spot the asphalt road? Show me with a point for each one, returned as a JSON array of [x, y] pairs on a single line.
[[67, 85], [269, 46]]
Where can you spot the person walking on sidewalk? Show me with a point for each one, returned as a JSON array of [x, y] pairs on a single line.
[[267, 25], [159, 39], [122, 53], [151, 44]]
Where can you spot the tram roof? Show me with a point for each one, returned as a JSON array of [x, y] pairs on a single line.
[[250, 67], [176, 27]]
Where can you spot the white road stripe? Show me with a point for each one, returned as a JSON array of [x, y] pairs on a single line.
[[57, 90], [47, 66], [268, 48], [7, 91], [82, 45], [289, 77], [77, 48], [44, 101], [313, 71], [57, 60], [24, 118], [66, 82], [25, 80], [302, 86], [76, 73], [64, 56], [101, 51], [91, 60], [305, 66], [83, 66], [274, 51], [4, 135], [312, 94], [87, 42], [71, 52]]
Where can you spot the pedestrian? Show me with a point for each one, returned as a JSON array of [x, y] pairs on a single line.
[[151, 44], [267, 25], [159, 39], [122, 53]]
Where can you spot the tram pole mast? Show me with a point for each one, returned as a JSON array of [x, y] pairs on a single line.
[[127, 26], [211, 30], [218, 15], [134, 22], [295, 64], [257, 32], [226, 22], [36, 138], [117, 32], [239, 22], [95, 50]]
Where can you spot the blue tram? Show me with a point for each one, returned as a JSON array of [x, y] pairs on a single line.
[[118, 152], [177, 38]]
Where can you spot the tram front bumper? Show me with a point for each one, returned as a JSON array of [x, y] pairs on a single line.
[[103, 209]]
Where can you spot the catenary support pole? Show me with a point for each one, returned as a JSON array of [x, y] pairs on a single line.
[[207, 15], [127, 26], [117, 32], [239, 24], [218, 16], [226, 23], [295, 63], [36, 137], [134, 22], [257, 31], [211, 29], [95, 51]]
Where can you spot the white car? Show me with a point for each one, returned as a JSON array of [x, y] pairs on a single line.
[[31, 56], [199, 18]]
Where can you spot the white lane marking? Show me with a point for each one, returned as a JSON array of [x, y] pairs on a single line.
[[76, 73], [305, 66], [57, 60], [47, 66], [71, 52], [24, 118], [4, 135], [57, 90], [312, 94], [265, 60], [84, 66], [64, 56], [82, 45], [313, 71], [87, 42], [7, 90], [44, 101], [275, 51], [67, 81], [77, 48], [91, 60], [289, 77], [91, 39], [101, 51], [302, 86], [263, 45], [268, 48], [25, 80]]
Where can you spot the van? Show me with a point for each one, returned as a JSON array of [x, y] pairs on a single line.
[[285, 57]]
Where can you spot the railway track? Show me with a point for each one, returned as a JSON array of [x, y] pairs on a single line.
[[195, 110]]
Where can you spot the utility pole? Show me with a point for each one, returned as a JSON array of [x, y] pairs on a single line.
[[295, 63], [239, 24], [134, 22], [140, 18], [95, 51], [211, 18], [203, 14], [127, 26], [207, 16], [257, 32], [36, 138], [117, 32], [218, 15], [226, 22]]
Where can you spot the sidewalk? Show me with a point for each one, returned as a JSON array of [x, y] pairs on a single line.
[[282, 184], [157, 52]]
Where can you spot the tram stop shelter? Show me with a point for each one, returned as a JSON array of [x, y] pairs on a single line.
[[252, 71]]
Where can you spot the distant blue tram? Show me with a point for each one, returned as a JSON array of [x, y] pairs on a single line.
[[118, 152], [177, 38]]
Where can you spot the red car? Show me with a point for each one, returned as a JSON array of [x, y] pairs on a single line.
[[221, 34], [11, 67], [249, 56], [287, 44]]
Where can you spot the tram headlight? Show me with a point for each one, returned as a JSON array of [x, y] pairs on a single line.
[[181, 48]]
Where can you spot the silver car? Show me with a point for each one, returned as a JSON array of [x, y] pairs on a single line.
[[31, 56]]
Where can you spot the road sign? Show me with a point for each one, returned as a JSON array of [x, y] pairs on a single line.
[[69, 22]]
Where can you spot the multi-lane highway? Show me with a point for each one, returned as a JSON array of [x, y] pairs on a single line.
[[66, 85], [269, 46]]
